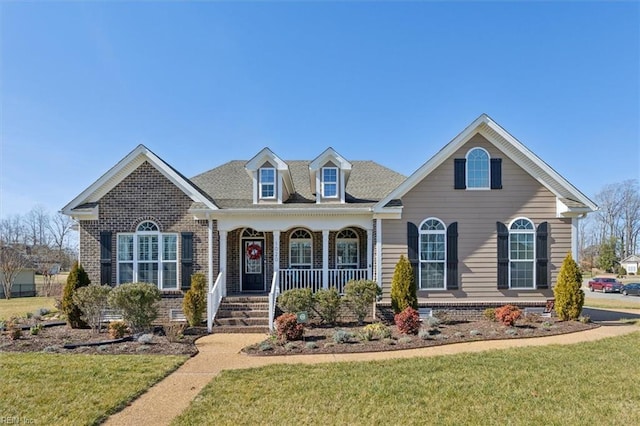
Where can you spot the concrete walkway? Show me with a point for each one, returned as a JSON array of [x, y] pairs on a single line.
[[218, 352]]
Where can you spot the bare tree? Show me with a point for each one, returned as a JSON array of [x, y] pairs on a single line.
[[60, 226], [608, 215], [629, 216], [47, 262], [37, 226], [12, 261], [12, 230]]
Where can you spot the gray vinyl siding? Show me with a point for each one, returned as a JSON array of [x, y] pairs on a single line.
[[477, 213]]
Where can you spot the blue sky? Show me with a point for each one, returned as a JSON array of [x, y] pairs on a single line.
[[202, 83]]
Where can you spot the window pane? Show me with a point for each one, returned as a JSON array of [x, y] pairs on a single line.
[[125, 273], [147, 247], [329, 182], [267, 183], [268, 191], [330, 190], [169, 247], [329, 175], [169, 275], [522, 274], [521, 246], [125, 247], [432, 275], [347, 253], [478, 169], [432, 247], [148, 273]]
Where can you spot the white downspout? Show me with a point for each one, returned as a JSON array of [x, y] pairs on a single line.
[[223, 258], [379, 252]]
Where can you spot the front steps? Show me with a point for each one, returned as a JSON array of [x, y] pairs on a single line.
[[242, 314]]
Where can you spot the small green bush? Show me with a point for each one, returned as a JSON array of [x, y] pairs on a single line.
[[288, 329], [138, 303], [117, 329], [194, 303], [360, 295], [77, 278], [569, 297], [35, 330], [508, 314], [342, 336], [377, 330], [92, 300], [296, 300], [432, 322], [408, 321], [327, 304], [489, 314], [403, 286]]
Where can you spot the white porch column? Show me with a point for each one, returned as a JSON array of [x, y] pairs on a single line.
[[379, 252], [210, 250], [574, 238], [276, 251], [369, 253], [325, 258], [223, 257]]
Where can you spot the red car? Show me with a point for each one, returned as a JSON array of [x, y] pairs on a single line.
[[606, 285]]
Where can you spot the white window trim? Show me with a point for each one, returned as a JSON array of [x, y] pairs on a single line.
[[160, 260], [350, 240], [324, 194], [533, 260], [262, 184], [310, 241], [466, 172], [420, 261]]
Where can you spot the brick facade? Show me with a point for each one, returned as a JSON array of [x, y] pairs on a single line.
[[144, 195]]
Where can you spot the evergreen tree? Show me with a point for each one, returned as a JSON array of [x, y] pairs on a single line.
[[77, 278], [569, 296], [403, 287], [195, 300], [607, 258]]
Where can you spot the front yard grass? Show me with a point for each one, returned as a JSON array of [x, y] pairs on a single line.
[[595, 383], [632, 303], [41, 388], [19, 306]]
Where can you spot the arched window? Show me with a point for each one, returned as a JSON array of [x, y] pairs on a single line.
[[347, 253], [300, 244], [477, 169], [148, 256], [432, 254], [521, 253]]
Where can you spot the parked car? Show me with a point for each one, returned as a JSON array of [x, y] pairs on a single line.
[[632, 288], [606, 285]]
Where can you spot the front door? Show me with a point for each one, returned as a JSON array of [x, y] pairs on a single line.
[[253, 265]]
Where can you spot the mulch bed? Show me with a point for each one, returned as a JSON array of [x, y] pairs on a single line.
[[54, 336], [319, 339]]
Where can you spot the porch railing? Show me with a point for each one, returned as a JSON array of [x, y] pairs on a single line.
[[273, 298], [214, 297], [312, 278]]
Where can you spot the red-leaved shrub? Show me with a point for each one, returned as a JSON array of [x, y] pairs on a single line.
[[408, 321], [288, 328], [508, 314]]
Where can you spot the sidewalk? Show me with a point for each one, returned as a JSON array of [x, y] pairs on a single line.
[[218, 352]]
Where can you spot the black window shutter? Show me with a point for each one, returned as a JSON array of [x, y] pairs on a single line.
[[105, 257], [186, 260], [459, 173], [542, 256], [496, 173], [412, 249], [452, 256], [503, 256]]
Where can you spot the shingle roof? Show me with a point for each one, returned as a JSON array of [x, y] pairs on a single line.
[[231, 186]]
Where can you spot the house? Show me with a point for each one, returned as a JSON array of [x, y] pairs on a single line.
[[630, 264], [484, 222], [24, 284]]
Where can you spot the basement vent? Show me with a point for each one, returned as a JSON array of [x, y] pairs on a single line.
[[176, 315], [425, 313]]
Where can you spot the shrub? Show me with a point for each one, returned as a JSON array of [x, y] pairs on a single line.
[[403, 286], [35, 330], [342, 336], [311, 345], [327, 305], [138, 303], [377, 330], [117, 329], [424, 334], [15, 333], [288, 328], [174, 331], [91, 301], [508, 314], [489, 314], [568, 294], [195, 300], [408, 321], [77, 278], [584, 319], [296, 300], [360, 296], [432, 322]]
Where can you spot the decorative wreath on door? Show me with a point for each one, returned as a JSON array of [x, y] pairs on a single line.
[[254, 251]]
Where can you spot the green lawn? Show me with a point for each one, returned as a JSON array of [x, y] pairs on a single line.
[[19, 306], [632, 303], [594, 383], [51, 389]]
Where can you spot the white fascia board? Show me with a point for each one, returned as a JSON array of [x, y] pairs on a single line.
[[330, 154], [292, 212], [282, 223], [83, 214]]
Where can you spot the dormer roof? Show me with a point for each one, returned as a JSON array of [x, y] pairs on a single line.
[[329, 155], [268, 156]]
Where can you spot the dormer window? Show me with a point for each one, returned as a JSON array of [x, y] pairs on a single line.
[[267, 183], [478, 169], [329, 182]]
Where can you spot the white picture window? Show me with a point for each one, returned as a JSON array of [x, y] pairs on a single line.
[[432, 255], [329, 182], [267, 182], [522, 254], [300, 245], [478, 169], [347, 249], [148, 256]]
